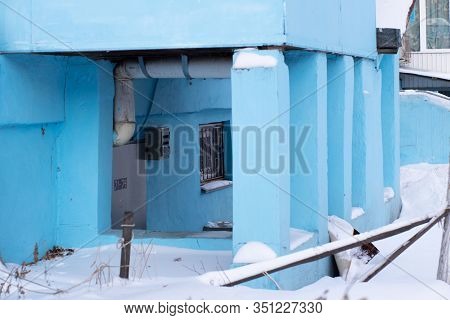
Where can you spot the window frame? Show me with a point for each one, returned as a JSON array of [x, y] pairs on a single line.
[[423, 30], [213, 158]]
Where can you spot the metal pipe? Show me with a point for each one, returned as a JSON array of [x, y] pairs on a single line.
[[124, 108], [164, 68], [160, 68]]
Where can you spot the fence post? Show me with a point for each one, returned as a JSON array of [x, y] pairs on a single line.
[[443, 268], [127, 234]]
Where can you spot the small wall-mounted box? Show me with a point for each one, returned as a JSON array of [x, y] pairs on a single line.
[[156, 144], [388, 40]]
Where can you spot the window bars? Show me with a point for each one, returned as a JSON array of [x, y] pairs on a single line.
[[211, 152]]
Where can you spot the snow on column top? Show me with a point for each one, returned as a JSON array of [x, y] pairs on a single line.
[[251, 58], [253, 252]]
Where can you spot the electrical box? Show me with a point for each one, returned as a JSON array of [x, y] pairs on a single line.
[[156, 144], [129, 186], [388, 40]]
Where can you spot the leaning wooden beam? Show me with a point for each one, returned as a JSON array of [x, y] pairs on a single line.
[[377, 269], [250, 272], [443, 268]]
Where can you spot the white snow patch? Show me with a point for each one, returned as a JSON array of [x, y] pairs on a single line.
[[393, 14], [299, 237], [216, 185], [425, 73], [246, 59], [357, 212], [389, 194], [219, 224], [423, 188], [340, 229], [253, 252]]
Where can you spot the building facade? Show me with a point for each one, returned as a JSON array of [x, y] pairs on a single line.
[[425, 59], [264, 116]]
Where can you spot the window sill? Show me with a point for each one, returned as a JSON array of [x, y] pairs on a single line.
[[216, 185]]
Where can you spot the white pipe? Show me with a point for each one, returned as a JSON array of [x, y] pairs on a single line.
[[125, 72], [124, 108], [198, 68]]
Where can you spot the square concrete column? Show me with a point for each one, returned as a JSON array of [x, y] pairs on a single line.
[[308, 92], [340, 123], [367, 188], [260, 120], [390, 113], [84, 154]]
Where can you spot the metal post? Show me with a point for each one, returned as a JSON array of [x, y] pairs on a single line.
[[127, 235], [443, 267]]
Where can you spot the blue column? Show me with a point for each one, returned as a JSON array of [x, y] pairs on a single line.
[[260, 119], [340, 123], [390, 111], [84, 154], [308, 91], [367, 187]]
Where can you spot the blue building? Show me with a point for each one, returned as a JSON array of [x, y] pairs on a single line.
[[270, 114]]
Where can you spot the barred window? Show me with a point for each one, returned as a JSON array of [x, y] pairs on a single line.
[[211, 152], [438, 24]]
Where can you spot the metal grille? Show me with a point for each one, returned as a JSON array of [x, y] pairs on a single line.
[[211, 152]]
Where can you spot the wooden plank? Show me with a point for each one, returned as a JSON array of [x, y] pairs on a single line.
[[443, 268], [372, 273], [324, 251]]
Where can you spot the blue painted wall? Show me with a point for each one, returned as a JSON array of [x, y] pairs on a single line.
[[308, 111], [55, 131], [321, 25], [120, 26], [31, 89], [308, 181], [341, 77], [176, 202], [259, 97], [261, 103], [31, 108], [367, 161], [425, 130], [390, 113], [330, 26], [84, 153], [27, 199]]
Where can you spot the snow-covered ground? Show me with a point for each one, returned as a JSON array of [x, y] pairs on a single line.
[[169, 273]]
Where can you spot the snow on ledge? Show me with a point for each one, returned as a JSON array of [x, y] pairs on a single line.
[[250, 59], [389, 194], [298, 237], [253, 252], [216, 185], [425, 73], [357, 212]]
